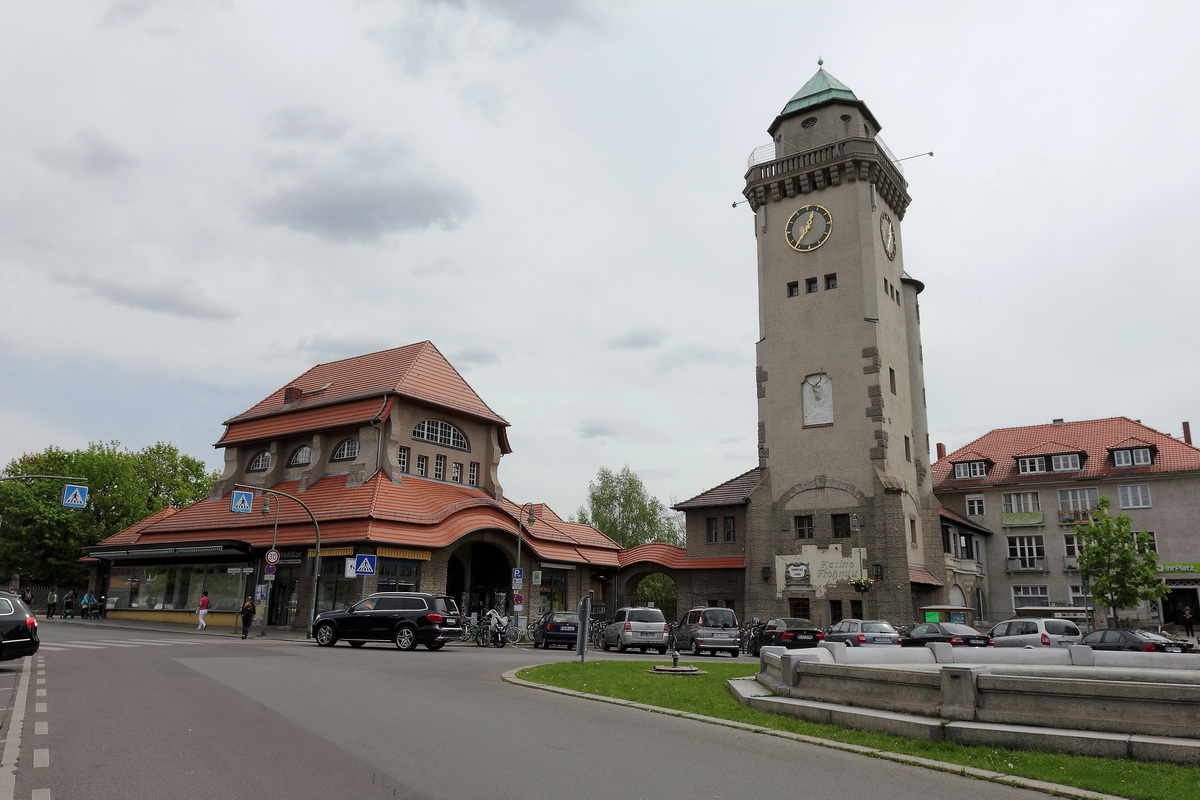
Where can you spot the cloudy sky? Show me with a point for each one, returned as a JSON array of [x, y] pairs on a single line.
[[200, 200]]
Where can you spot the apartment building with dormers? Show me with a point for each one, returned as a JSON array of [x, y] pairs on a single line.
[[1031, 486]]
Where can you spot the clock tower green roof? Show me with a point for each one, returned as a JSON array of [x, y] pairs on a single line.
[[820, 90]]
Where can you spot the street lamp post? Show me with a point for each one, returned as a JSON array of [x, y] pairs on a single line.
[[317, 549]]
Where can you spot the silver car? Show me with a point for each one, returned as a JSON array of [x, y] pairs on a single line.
[[640, 628], [709, 629], [1035, 632], [864, 633]]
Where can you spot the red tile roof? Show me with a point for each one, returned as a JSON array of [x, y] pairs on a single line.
[[1094, 438], [919, 573], [673, 557], [735, 491], [416, 512], [342, 415], [417, 372]]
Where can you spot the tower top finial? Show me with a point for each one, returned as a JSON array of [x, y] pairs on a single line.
[[820, 61]]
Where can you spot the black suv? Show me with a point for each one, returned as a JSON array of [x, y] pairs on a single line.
[[404, 618], [18, 628]]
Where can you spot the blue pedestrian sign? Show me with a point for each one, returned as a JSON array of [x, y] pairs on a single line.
[[241, 502], [74, 496], [364, 565]]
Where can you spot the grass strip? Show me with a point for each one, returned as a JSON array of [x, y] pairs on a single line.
[[708, 695]]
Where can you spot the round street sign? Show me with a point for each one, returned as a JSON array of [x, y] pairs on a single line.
[[518, 599], [269, 569], [272, 556]]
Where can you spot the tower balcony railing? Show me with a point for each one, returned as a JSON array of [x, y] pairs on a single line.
[[794, 160]]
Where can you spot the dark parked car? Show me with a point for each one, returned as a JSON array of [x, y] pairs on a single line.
[[404, 618], [18, 628], [789, 632], [556, 627], [1131, 639], [952, 632], [864, 633]]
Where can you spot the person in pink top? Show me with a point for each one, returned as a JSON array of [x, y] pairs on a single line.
[[203, 611]]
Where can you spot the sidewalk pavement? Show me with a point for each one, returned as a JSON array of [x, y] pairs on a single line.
[[256, 631]]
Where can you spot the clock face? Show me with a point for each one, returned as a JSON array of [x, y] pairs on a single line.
[[887, 233], [809, 227]]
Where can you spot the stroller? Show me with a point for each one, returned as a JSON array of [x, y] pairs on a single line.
[[89, 608]]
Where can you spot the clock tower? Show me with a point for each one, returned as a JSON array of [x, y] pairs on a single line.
[[845, 490]]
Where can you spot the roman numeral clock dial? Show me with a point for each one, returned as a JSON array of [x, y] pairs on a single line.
[[809, 227]]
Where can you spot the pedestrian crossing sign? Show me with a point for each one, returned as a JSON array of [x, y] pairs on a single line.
[[241, 502], [74, 496], [364, 565]]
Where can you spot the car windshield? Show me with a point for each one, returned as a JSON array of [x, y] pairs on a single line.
[[796, 622], [445, 605], [719, 618], [646, 615], [564, 618], [878, 626], [1060, 627]]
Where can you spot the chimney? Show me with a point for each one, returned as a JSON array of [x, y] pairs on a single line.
[[941, 451], [292, 394], [1187, 432], [1058, 422]]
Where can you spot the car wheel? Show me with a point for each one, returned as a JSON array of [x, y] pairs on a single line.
[[436, 645], [356, 644], [604, 645], [662, 651], [501, 641], [326, 635], [620, 646], [406, 638], [695, 648]]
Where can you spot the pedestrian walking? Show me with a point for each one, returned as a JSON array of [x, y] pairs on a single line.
[[248, 612], [52, 602], [202, 611], [1187, 622], [27, 597], [69, 604]]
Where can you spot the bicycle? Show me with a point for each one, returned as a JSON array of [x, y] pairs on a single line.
[[596, 633], [469, 630]]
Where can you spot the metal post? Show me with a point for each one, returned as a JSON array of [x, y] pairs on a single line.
[[317, 549], [585, 618]]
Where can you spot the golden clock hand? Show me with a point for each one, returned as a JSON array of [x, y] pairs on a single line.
[[808, 224]]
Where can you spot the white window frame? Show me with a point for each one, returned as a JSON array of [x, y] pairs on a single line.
[[1070, 545], [1028, 550], [1153, 541], [439, 468], [1078, 597], [1065, 462], [1135, 495], [439, 432], [975, 505], [422, 465], [402, 458], [1141, 457], [1132, 457], [1031, 465], [1021, 502], [473, 474], [347, 450], [456, 472], [1030, 595], [301, 457], [970, 469], [260, 463]]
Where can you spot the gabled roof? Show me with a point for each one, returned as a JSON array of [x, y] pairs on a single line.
[[950, 515], [1095, 438], [416, 372], [735, 491], [415, 513]]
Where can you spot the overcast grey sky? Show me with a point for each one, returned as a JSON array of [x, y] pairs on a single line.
[[201, 200]]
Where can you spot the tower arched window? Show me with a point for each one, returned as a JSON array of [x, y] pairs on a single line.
[[302, 457], [345, 451], [438, 432], [260, 463]]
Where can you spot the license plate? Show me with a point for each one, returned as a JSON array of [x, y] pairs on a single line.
[[805, 636], [720, 636], [976, 641], [646, 633], [882, 640], [569, 628]]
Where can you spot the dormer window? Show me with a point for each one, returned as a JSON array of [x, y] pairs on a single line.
[[1134, 457], [1067, 462], [302, 457], [346, 451], [965, 470], [1031, 465], [260, 463], [438, 432]]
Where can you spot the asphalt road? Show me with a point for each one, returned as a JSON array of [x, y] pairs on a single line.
[[132, 714]]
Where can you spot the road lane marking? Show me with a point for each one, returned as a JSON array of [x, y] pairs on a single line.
[[41, 757], [41, 728], [12, 742]]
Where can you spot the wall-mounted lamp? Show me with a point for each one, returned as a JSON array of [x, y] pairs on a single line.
[[766, 573], [877, 571]]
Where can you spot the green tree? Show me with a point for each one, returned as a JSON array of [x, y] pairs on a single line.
[[1119, 563], [42, 541], [619, 505]]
